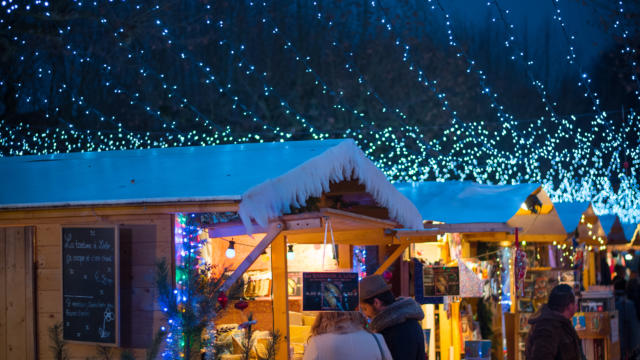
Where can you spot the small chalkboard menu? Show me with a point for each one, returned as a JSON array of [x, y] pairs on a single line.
[[89, 283], [329, 291]]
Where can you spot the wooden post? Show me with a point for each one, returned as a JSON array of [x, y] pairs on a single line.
[[586, 268], [429, 322], [394, 255], [456, 338], [280, 295], [445, 333], [345, 256]]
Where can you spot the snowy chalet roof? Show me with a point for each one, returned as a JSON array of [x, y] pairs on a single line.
[[570, 213], [457, 202], [266, 179]]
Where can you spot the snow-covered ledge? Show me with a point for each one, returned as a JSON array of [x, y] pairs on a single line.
[[344, 161]]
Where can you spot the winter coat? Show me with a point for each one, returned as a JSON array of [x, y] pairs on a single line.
[[552, 337], [633, 293], [399, 323], [628, 325], [353, 345]]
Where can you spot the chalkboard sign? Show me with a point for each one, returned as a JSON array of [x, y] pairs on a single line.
[[441, 281], [420, 297], [89, 283], [329, 291]]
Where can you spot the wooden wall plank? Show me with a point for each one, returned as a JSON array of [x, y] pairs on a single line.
[[49, 257], [158, 244], [3, 295], [49, 279], [16, 343], [30, 323], [49, 301], [48, 284], [45, 321], [49, 235]]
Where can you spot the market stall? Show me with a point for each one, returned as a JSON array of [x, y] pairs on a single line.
[[617, 246], [587, 239], [596, 320], [86, 241], [482, 222]]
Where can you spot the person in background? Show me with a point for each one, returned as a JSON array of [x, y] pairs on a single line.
[[629, 326], [620, 272], [633, 288], [398, 320], [342, 336], [605, 272], [552, 335]]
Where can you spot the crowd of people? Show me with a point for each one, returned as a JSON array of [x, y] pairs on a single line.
[[552, 335], [393, 329], [393, 332]]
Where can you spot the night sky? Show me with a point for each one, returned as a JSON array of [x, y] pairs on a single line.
[[496, 92]]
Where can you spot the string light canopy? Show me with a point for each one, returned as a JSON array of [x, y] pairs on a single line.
[[576, 156]]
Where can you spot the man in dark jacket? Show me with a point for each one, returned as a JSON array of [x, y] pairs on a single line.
[[398, 320], [628, 324], [633, 288], [552, 336]]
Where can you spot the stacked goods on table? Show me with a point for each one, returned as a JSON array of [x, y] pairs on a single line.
[[299, 331]]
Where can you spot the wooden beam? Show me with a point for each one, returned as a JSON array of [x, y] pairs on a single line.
[[487, 237], [350, 237], [356, 220], [415, 239], [470, 227], [280, 294], [234, 228], [540, 238], [21, 215], [530, 238], [415, 232], [274, 230], [394, 255]]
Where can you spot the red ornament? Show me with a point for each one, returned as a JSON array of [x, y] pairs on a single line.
[[223, 300], [387, 275], [625, 164], [241, 305]]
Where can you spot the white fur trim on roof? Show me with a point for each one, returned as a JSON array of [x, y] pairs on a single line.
[[344, 161]]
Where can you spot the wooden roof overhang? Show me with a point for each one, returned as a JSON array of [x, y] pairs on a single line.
[[48, 215], [633, 244]]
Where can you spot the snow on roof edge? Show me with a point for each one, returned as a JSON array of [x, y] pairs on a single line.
[[314, 176]]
